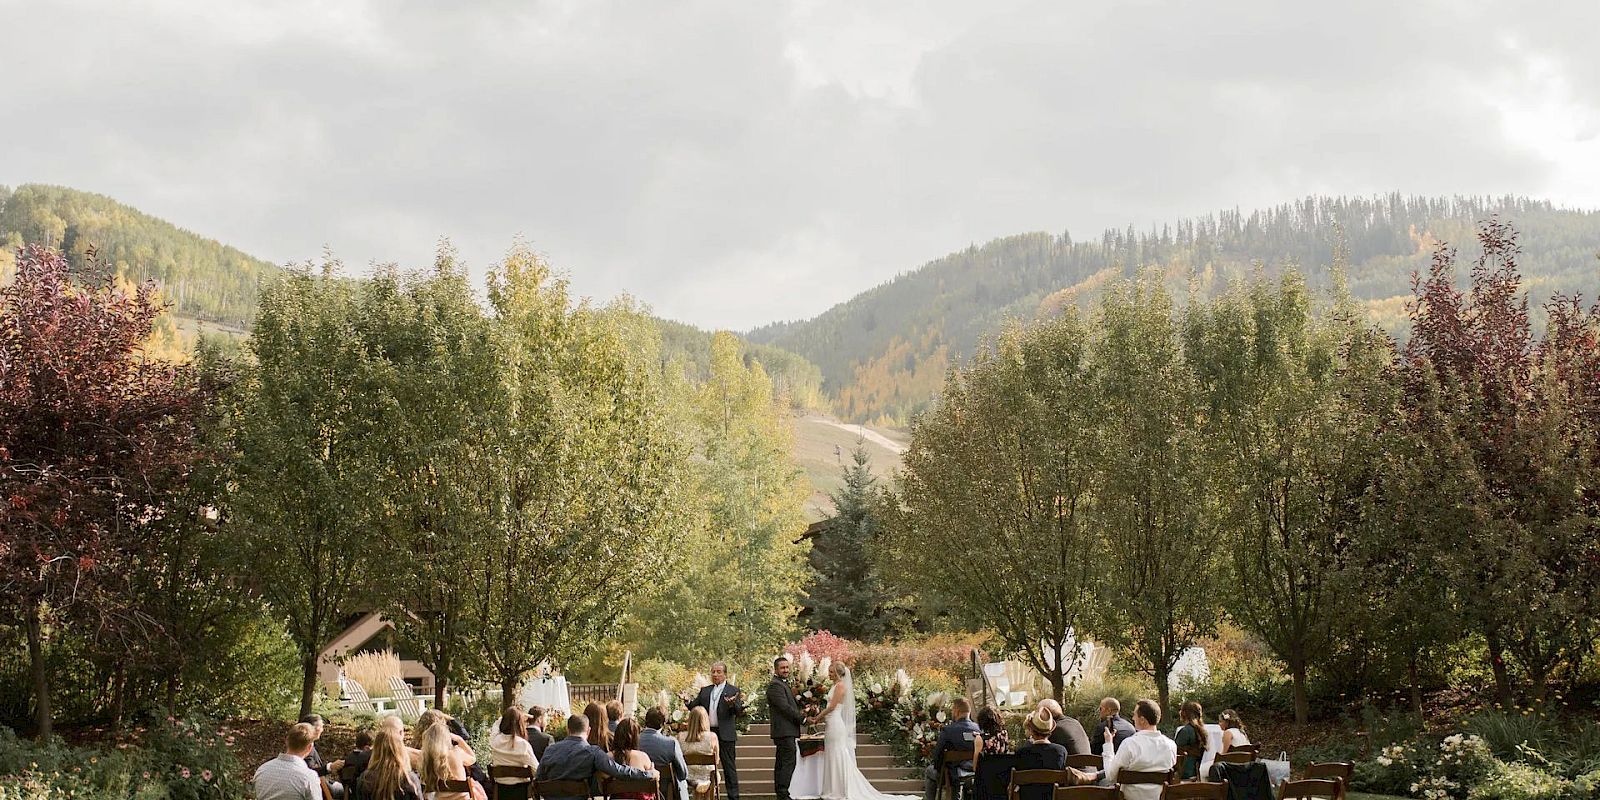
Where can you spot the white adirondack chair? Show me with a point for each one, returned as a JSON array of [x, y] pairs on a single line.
[[406, 701], [1094, 668], [354, 696]]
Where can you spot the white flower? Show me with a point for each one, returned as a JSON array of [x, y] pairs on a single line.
[[1385, 760], [903, 680], [677, 716], [876, 688], [940, 716]]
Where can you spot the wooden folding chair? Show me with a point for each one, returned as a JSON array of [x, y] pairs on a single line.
[[1087, 792], [1131, 778], [667, 786], [1334, 770], [1253, 749], [1194, 751], [1300, 790], [705, 760], [327, 791], [541, 789], [611, 787], [506, 772], [1036, 777], [348, 775], [1235, 757], [1084, 761], [463, 785], [1200, 790], [951, 759]]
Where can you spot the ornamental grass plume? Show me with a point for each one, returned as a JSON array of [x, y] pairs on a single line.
[[372, 670]]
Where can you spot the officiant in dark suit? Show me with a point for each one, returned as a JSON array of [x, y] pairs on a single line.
[[724, 703], [786, 721]]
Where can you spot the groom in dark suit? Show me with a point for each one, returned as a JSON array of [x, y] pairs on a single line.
[[724, 704], [786, 722]]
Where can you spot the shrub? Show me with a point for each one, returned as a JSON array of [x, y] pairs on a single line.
[[1520, 781], [185, 759], [372, 670], [820, 645]]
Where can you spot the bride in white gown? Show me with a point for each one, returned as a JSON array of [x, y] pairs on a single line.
[[841, 778]]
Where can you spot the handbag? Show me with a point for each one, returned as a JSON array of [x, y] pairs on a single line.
[[1277, 769]]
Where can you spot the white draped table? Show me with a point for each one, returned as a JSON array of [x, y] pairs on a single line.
[[551, 693], [807, 783]]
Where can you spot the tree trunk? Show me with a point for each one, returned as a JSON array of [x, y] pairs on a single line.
[[1163, 687], [41, 676], [1497, 663], [1302, 703], [308, 682], [440, 685], [119, 694], [172, 694], [509, 684], [1416, 687]]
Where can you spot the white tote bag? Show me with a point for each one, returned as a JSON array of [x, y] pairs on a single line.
[[1277, 769]]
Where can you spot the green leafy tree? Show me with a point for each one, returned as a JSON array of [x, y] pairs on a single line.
[[993, 511], [580, 474], [312, 459], [846, 594], [1287, 390], [1152, 502]]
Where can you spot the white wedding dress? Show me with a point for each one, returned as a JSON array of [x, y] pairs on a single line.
[[841, 778]]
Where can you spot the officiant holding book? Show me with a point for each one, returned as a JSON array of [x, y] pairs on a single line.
[[724, 703]]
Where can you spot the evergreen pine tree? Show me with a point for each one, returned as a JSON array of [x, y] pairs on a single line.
[[846, 593]]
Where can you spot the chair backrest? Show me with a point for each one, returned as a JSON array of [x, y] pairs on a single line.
[[560, 789], [1236, 757], [463, 785], [1252, 748], [508, 771], [953, 757], [1086, 792], [610, 786], [699, 759], [1037, 777], [348, 773], [1128, 777], [667, 784], [1084, 761], [1340, 770], [1332, 789], [1094, 671], [1192, 751], [1195, 791]]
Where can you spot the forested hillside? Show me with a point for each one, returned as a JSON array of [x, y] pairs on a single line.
[[203, 278], [793, 377], [884, 353]]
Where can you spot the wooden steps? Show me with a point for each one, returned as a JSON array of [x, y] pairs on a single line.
[[757, 758]]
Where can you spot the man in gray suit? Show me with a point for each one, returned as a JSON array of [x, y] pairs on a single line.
[[664, 750], [786, 722], [574, 759]]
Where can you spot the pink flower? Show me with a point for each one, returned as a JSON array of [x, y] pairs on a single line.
[[205, 775], [183, 771]]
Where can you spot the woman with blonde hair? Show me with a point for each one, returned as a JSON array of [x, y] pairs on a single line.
[[1233, 734], [389, 775], [698, 738], [445, 757]]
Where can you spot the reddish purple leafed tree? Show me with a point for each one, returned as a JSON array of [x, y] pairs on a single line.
[[92, 437]]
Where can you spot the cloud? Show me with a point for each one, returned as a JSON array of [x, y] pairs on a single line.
[[733, 163]]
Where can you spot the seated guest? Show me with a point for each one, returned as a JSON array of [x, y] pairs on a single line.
[[698, 738], [613, 716], [356, 763], [1233, 734], [625, 750], [961, 735], [1110, 720], [996, 740], [537, 738], [1069, 732], [287, 777], [398, 726], [599, 726], [664, 751], [314, 758], [1192, 734], [576, 759], [445, 757], [1145, 751], [388, 775], [509, 747], [1041, 753]]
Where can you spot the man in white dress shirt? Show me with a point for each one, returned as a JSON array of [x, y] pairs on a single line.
[[1147, 750], [287, 777]]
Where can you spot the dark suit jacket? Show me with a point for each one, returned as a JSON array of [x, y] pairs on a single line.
[[1034, 755], [573, 759], [1121, 728], [955, 737], [1069, 733], [664, 751], [724, 718], [786, 715], [539, 740]]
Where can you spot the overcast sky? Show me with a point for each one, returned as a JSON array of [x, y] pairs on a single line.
[[741, 162]]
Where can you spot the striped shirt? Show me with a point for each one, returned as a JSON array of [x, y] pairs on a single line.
[[287, 778]]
